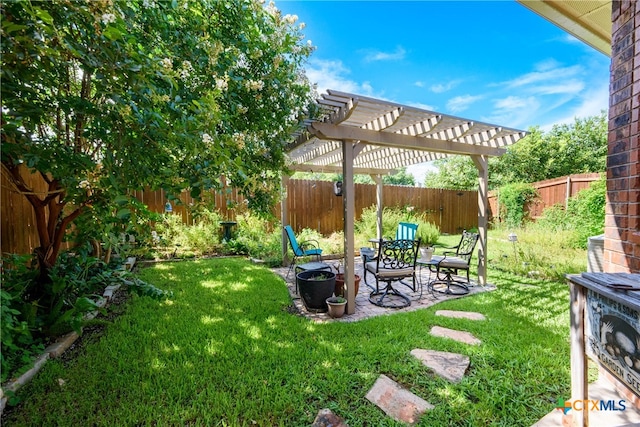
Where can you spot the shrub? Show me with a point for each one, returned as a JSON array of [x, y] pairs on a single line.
[[258, 238], [587, 211], [513, 198], [28, 319], [428, 232], [583, 218], [202, 237]]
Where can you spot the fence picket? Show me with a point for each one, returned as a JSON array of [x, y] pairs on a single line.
[[311, 204]]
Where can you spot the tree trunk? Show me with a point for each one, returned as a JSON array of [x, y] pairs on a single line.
[[51, 223]]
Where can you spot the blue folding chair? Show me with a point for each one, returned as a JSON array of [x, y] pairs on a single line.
[[301, 249], [406, 231]]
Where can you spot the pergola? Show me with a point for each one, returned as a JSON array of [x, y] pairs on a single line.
[[361, 135]]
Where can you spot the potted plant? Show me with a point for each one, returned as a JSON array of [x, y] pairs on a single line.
[[315, 287], [428, 234], [336, 306], [340, 289]]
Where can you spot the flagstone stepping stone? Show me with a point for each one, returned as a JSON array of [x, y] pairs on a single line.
[[450, 366], [461, 314], [326, 418], [396, 401], [460, 336]]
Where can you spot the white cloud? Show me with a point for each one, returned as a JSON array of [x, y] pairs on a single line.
[[513, 111], [461, 103], [332, 74], [510, 102], [592, 102], [419, 84], [375, 55], [543, 74], [570, 87], [444, 87], [421, 105]]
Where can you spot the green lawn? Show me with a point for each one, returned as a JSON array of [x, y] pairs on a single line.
[[225, 351]]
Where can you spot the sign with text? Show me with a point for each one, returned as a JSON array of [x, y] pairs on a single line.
[[612, 334]]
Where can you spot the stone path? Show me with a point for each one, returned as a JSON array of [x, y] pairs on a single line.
[[450, 366], [404, 406], [460, 336], [395, 400]]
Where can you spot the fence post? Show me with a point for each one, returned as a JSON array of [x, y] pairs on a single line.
[[568, 193]]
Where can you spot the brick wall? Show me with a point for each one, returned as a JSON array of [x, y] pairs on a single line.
[[622, 223]]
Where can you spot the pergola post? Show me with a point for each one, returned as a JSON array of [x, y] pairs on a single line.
[[379, 206], [284, 218], [482, 163], [349, 203]]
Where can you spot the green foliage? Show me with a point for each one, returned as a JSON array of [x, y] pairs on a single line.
[[428, 232], [454, 172], [19, 345], [583, 218], [567, 149], [365, 228], [259, 238], [29, 318], [401, 177], [145, 289], [199, 238], [102, 97], [229, 331], [535, 255], [512, 201]]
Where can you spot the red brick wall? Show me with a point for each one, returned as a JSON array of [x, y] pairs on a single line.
[[622, 223]]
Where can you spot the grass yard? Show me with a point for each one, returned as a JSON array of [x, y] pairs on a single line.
[[226, 351]]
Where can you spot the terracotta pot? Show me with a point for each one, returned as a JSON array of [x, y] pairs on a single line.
[[336, 309], [340, 288]]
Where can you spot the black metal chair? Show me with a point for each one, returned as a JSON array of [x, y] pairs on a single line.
[[454, 261], [395, 262]]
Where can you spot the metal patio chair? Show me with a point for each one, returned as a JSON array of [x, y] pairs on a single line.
[[301, 249], [395, 262], [454, 261]]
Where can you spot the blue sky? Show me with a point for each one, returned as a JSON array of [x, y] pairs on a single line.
[[490, 61]]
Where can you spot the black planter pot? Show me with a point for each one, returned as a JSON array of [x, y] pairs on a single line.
[[315, 286]]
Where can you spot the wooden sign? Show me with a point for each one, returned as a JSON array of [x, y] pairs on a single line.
[[612, 337]]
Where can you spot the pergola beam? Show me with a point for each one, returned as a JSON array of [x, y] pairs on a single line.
[[329, 131], [338, 169]]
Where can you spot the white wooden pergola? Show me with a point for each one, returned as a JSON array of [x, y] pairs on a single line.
[[362, 135]]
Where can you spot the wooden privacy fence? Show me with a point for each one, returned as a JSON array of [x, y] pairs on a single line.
[[311, 204], [550, 192]]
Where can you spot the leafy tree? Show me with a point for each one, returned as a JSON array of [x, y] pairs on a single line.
[[566, 149], [454, 172], [402, 177], [103, 97]]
